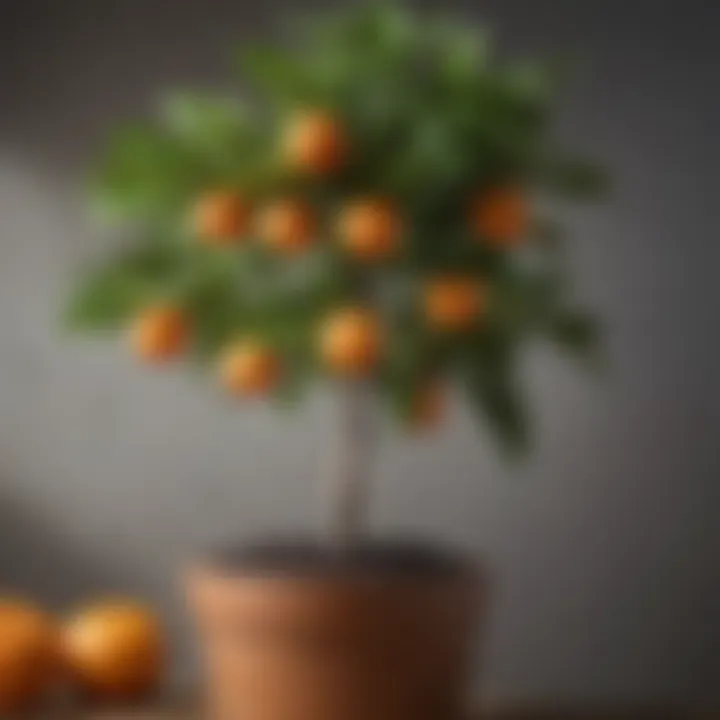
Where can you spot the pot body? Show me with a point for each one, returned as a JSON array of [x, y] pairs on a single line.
[[339, 646]]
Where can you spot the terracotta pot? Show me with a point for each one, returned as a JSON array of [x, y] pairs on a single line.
[[342, 640]]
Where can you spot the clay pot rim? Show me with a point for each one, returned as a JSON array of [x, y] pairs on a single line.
[[447, 565]]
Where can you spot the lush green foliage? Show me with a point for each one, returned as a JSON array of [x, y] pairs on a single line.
[[433, 118]]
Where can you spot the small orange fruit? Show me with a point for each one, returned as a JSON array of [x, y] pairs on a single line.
[[115, 649], [500, 217], [160, 333], [248, 367], [350, 341], [370, 229], [287, 226], [428, 407], [452, 302], [221, 217], [29, 659], [314, 142]]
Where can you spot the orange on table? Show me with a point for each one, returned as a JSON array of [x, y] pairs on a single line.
[[114, 650], [29, 658], [221, 217], [160, 333], [287, 226], [370, 228], [350, 341], [248, 367], [452, 302], [500, 217], [314, 142]]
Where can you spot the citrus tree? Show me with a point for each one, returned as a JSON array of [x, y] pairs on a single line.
[[377, 211]]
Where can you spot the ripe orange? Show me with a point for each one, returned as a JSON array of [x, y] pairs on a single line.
[[114, 649], [287, 226], [314, 142], [248, 367], [452, 302], [500, 217], [370, 229], [28, 655], [428, 407], [160, 333], [221, 217], [350, 341]]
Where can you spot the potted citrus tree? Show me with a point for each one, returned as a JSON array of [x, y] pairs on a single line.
[[377, 215]]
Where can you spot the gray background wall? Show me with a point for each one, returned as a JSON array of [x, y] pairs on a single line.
[[606, 543]]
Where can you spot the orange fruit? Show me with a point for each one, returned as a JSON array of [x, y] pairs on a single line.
[[452, 302], [221, 217], [350, 341], [114, 649], [160, 333], [314, 142], [287, 226], [28, 655], [428, 407], [370, 229], [248, 367], [500, 217]]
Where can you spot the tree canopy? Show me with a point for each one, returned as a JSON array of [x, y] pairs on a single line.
[[380, 201]]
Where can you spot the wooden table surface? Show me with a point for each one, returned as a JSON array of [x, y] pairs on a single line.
[[499, 712]]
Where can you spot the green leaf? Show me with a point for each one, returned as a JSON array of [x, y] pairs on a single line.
[[280, 75], [412, 358], [465, 52], [575, 179], [523, 301], [111, 293], [375, 29], [502, 406], [145, 173], [212, 125], [195, 116], [576, 333], [531, 81], [493, 392]]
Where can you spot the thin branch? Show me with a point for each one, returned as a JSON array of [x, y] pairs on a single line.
[[349, 485]]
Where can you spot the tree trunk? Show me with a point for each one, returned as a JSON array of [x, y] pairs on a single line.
[[349, 489]]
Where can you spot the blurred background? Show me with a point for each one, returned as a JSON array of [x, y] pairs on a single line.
[[604, 544]]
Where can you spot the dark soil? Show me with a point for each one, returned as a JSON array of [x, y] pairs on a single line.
[[300, 556]]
